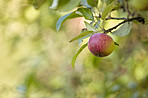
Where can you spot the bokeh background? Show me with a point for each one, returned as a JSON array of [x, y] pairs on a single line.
[[35, 59]]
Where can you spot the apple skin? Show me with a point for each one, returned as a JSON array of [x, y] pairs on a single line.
[[100, 44]]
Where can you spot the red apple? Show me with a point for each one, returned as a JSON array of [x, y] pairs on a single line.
[[101, 44]]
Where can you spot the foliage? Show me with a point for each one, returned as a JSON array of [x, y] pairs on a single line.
[[76, 55]]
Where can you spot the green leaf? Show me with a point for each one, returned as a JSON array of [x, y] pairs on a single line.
[[54, 4], [117, 6], [97, 24], [92, 3], [123, 30], [67, 5], [107, 10], [65, 17], [76, 55], [38, 3], [109, 1], [89, 27], [81, 35], [86, 13], [81, 39]]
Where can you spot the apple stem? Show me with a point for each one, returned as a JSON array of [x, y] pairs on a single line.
[[116, 43]]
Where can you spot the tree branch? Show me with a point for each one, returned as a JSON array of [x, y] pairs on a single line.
[[115, 18], [139, 19]]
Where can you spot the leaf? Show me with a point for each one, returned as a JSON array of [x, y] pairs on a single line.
[[92, 3], [81, 39], [76, 55], [123, 30], [67, 5], [97, 24], [107, 10], [117, 6], [81, 35], [54, 4], [65, 17], [86, 13], [89, 27], [109, 1]]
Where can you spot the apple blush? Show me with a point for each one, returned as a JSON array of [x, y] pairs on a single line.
[[101, 44]]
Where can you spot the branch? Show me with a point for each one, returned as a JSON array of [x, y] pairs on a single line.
[[139, 19], [115, 18], [129, 13]]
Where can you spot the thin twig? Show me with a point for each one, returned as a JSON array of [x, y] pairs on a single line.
[[129, 13], [123, 6], [115, 18]]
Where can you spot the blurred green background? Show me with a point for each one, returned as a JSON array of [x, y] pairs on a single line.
[[35, 59]]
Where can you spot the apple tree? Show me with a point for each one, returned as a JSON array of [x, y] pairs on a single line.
[[97, 15]]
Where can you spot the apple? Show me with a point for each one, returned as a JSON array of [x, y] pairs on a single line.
[[100, 44]]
